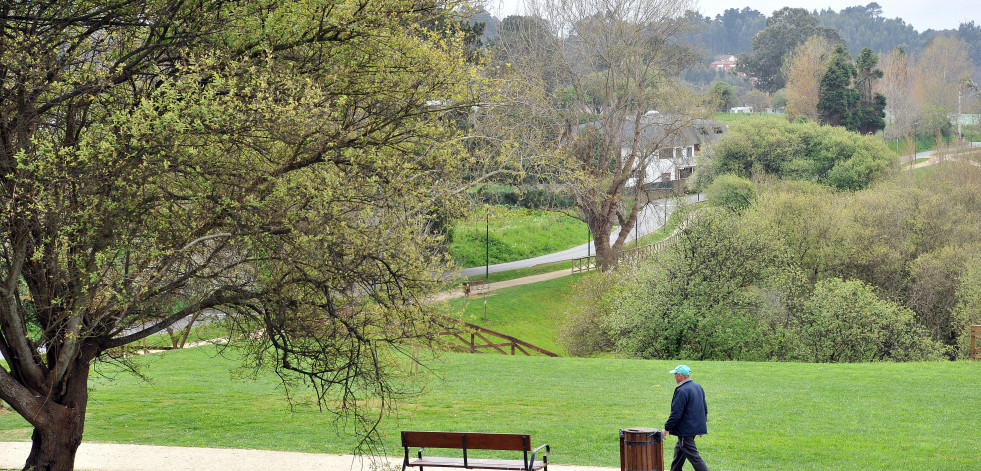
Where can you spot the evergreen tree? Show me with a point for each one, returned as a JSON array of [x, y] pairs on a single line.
[[871, 110], [846, 98], [836, 98]]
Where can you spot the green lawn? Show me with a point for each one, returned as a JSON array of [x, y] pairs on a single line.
[[514, 234], [762, 416]]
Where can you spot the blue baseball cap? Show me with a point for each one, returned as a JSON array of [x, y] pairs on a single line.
[[681, 370]]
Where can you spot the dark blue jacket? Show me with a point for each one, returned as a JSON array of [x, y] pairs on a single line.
[[688, 411]]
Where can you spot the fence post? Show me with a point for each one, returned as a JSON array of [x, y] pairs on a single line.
[[975, 335]]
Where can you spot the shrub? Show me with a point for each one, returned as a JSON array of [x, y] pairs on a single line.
[[712, 295], [801, 151], [844, 321], [968, 309], [731, 192], [583, 332]]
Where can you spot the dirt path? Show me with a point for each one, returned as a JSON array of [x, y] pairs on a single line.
[[481, 289], [117, 457]]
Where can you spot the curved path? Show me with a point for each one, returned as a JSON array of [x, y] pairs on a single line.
[[652, 217], [119, 457]]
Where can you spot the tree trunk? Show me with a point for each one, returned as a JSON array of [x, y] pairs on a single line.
[[606, 257], [58, 434]]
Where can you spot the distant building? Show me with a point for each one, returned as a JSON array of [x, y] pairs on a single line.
[[724, 63], [741, 109], [673, 140]]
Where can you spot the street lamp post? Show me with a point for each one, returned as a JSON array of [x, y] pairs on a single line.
[[487, 246]]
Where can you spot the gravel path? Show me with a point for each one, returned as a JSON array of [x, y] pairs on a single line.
[[116, 457]]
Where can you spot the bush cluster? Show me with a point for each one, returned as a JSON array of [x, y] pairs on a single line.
[[769, 145], [530, 197], [808, 273]]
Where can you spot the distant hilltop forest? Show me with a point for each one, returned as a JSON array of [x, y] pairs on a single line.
[[859, 27]]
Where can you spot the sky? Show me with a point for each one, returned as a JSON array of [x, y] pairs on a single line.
[[922, 14]]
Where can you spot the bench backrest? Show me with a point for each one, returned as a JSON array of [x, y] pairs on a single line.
[[473, 441]]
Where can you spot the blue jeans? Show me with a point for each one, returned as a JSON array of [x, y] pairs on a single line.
[[685, 449]]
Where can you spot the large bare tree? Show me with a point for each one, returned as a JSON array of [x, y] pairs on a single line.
[[803, 70], [597, 82], [277, 162]]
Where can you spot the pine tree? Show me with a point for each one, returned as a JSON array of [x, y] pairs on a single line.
[[846, 97], [836, 98]]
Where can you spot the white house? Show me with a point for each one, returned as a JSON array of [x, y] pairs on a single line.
[[673, 141]]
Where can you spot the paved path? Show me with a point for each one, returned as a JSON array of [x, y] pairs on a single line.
[[934, 157], [651, 219], [117, 457]]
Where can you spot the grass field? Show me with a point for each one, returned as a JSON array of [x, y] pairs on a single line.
[[515, 234], [762, 416]]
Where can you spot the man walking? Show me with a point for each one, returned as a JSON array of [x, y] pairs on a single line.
[[688, 415]]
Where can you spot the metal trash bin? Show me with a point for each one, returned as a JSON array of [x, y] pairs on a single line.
[[641, 450]]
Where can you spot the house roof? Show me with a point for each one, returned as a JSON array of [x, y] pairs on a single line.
[[665, 130]]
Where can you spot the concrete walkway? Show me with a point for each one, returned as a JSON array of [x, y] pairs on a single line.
[[117, 457]]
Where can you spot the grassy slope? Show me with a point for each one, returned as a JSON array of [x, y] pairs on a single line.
[[515, 234], [762, 416], [530, 312]]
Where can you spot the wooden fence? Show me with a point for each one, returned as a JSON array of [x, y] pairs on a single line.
[[630, 256], [975, 342], [582, 264], [472, 338]]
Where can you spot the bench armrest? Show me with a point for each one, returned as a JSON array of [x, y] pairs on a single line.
[[548, 450]]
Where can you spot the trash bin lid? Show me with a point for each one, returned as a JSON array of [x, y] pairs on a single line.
[[640, 430]]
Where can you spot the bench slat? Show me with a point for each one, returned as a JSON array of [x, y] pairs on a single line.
[[438, 462], [475, 441]]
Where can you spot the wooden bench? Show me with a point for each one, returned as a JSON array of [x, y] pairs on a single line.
[[473, 441]]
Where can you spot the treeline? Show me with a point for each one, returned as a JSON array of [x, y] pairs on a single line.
[[859, 26], [803, 272]]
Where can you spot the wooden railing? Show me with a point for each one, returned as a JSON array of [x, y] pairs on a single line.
[[630, 256], [472, 338], [582, 264], [975, 342]]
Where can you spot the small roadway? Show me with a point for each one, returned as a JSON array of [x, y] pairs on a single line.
[[651, 218]]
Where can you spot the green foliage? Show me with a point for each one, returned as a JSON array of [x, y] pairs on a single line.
[[866, 27], [731, 192], [582, 330], [281, 162], [704, 297], [968, 309], [722, 96], [836, 98], [531, 197], [768, 145], [785, 30], [844, 321], [730, 32], [813, 274], [846, 96]]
